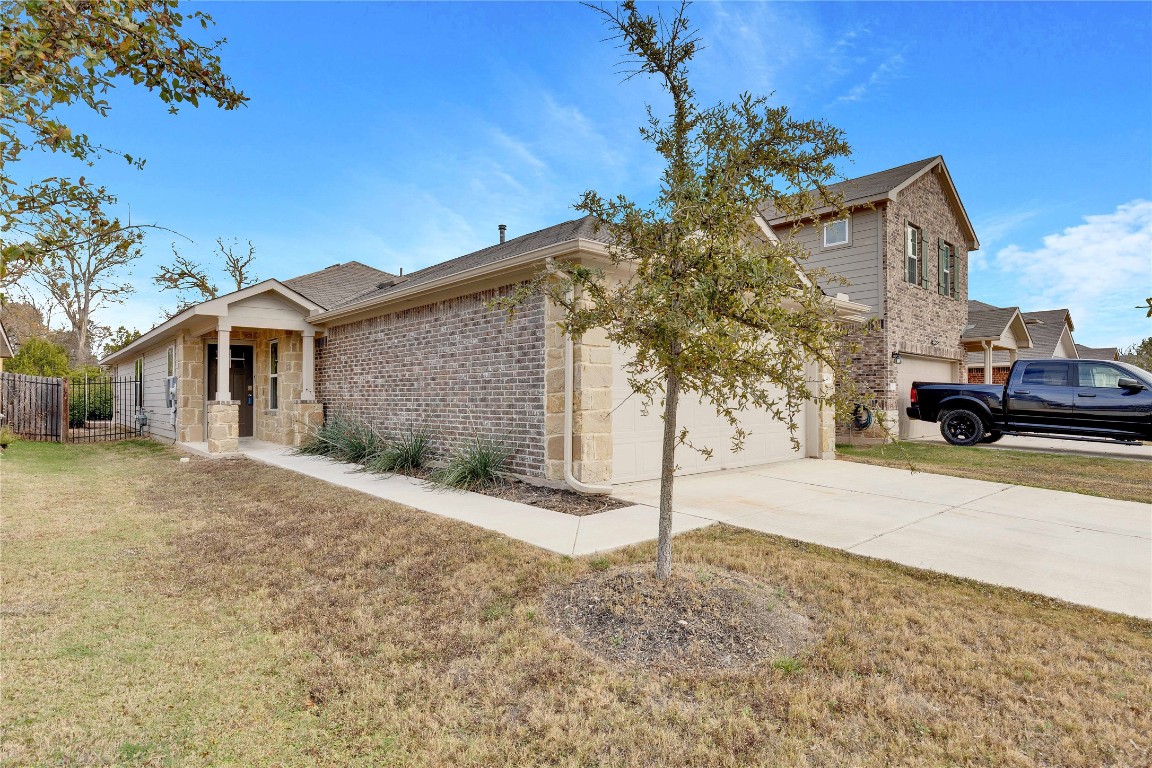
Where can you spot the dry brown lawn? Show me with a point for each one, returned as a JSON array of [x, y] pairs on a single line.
[[1129, 479], [228, 613]]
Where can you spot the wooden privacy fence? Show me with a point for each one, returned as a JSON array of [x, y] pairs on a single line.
[[84, 409]]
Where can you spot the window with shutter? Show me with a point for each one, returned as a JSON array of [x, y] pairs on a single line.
[[913, 248]]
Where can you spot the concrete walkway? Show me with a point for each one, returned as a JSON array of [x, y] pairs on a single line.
[[1083, 549], [554, 531]]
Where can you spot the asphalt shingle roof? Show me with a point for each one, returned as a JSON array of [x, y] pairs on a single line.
[[988, 323], [586, 228], [334, 285], [1097, 353], [868, 186], [1044, 327]]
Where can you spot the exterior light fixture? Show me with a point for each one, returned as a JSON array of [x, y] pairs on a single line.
[[896, 359]]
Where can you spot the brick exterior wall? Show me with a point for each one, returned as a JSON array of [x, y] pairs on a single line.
[[917, 320], [457, 365], [999, 375]]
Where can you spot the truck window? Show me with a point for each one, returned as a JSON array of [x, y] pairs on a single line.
[[1099, 375], [1049, 373]]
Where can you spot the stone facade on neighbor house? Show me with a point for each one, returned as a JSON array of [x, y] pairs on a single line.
[[457, 366]]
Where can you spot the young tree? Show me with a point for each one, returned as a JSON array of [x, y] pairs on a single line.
[[83, 254], [56, 54], [192, 280], [709, 304]]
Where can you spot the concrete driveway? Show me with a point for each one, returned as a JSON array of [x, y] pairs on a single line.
[[1083, 549]]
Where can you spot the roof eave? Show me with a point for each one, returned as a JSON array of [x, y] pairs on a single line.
[[592, 247]]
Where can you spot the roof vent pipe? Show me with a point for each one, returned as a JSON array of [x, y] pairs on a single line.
[[503, 229]]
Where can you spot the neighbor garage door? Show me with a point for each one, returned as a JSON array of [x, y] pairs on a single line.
[[914, 368], [636, 438]]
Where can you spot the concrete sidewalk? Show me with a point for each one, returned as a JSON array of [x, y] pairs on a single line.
[[554, 531], [1083, 549]]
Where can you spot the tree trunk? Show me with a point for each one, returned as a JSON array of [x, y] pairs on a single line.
[[667, 468]]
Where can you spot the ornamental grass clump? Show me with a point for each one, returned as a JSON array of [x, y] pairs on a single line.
[[345, 439], [408, 453], [476, 464]]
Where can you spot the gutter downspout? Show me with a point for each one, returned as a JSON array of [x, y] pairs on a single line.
[[569, 478]]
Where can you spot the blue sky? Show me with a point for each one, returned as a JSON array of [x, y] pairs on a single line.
[[402, 134]]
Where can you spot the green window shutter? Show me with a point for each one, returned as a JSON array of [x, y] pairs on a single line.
[[920, 259], [942, 268], [955, 277]]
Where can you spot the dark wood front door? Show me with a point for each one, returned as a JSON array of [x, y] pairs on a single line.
[[240, 382]]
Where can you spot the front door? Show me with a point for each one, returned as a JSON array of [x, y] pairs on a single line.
[[240, 382]]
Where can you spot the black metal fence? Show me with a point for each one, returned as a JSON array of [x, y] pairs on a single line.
[[102, 408], [76, 410]]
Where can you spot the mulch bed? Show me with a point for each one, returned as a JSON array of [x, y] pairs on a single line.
[[555, 499], [702, 619]]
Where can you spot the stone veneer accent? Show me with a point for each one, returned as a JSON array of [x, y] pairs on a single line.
[[457, 365], [294, 417], [190, 393], [223, 426], [591, 403]]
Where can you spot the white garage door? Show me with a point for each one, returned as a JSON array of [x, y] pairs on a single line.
[[636, 438], [925, 369]]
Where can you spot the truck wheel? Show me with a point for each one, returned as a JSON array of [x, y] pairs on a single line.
[[991, 437], [962, 427]]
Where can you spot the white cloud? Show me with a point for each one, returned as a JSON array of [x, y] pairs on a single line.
[[1100, 270], [883, 73], [996, 229]]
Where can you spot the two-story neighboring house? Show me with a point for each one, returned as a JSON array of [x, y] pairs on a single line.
[[903, 247]]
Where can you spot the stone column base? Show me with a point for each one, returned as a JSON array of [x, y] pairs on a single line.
[[307, 417], [223, 426]]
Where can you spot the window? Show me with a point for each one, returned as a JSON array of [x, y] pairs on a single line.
[[1099, 375], [1049, 373], [913, 252], [170, 380], [140, 382], [273, 375], [837, 232], [947, 269]]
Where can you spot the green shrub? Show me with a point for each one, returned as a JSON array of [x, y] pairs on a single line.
[[407, 453], [477, 464], [344, 438], [89, 400]]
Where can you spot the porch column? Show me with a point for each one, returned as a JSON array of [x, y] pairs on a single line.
[[987, 362], [1012, 355], [223, 361], [308, 372]]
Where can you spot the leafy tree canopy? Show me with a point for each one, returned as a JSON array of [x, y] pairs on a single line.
[[120, 338], [1139, 355], [39, 357], [57, 55]]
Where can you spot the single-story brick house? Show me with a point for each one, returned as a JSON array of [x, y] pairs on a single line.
[[428, 348]]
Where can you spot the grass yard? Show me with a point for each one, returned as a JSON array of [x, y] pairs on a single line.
[[228, 613], [1111, 478]]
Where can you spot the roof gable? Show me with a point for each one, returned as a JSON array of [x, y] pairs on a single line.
[[332, 286], [884, 186]]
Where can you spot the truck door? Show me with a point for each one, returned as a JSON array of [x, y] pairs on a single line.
[[1102, 405], [1041, 396]]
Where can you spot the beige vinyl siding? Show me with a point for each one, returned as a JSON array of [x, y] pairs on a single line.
[[858, 262], [265, 310], [155, 398]]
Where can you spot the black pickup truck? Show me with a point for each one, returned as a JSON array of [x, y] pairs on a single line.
[[1069, 399]]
